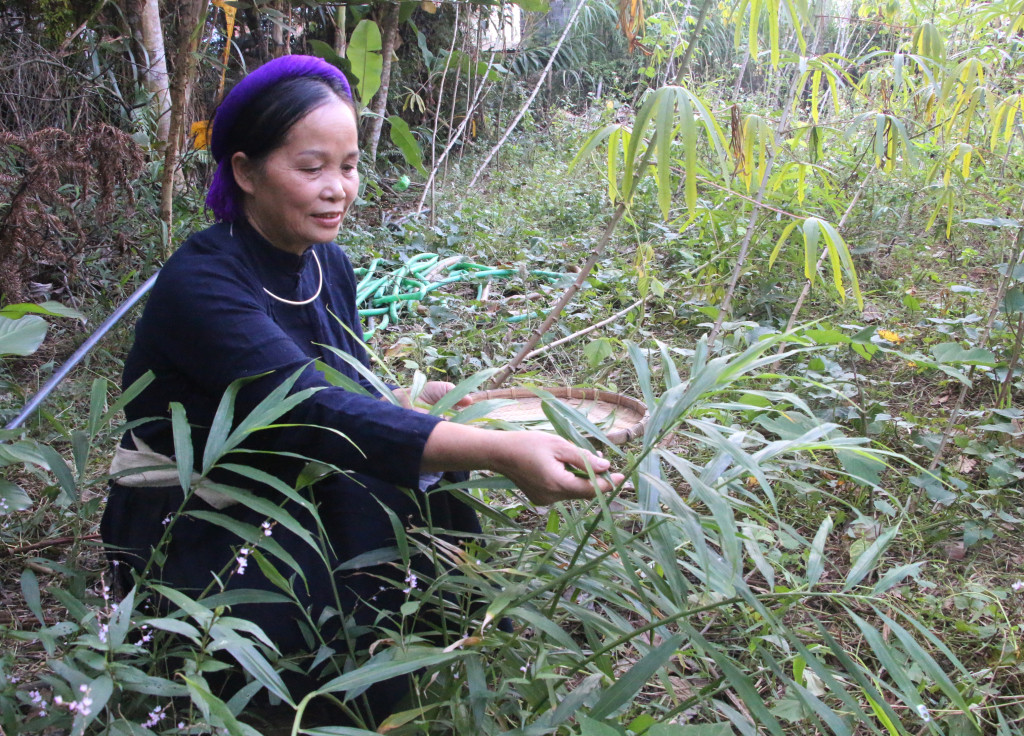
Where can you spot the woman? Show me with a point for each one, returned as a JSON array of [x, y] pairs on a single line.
[[259, 296]]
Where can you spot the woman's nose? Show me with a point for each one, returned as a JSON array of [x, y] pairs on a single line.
[[333, 189]]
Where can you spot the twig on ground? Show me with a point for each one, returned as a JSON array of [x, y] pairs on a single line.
[[586, 330], [55, 542]]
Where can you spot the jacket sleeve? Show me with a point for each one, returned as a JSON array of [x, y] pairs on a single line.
[[208, 322]]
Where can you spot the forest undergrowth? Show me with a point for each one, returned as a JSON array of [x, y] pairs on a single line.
[[820, 530]]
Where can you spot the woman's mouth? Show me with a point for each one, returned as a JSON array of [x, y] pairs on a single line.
[[328, 219]]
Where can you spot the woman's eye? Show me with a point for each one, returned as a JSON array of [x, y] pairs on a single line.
[[312, 169]]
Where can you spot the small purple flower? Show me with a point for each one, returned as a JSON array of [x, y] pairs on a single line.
[[242, 560], [412, 581]]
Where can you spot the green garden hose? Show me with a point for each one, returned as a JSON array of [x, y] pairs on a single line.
[[386, 295]]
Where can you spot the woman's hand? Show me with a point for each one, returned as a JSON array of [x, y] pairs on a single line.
[[535, 461], [430, 395]]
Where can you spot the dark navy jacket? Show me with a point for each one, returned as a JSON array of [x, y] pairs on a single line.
[[208, 322]]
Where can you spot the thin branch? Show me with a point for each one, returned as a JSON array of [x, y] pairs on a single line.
[[454, 138], [529, 101], [556, 310], [55, 542], [585, 331]]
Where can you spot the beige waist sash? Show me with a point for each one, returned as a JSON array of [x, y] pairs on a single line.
[[161, 477]]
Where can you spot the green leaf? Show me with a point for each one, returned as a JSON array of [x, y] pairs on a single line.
[[628, 685], [863, 468], [99, 691], [403, 138], [14, 496], [30, 592], [951, 352], [49, 308], [388, 664], [182, 433], [21, 336], [254, 663], [121, 621], [664, 127], [816, 557], [599, 350], [703, 729], [1013, 303], [867, 559], [590, 727], [533, 6], [364, 54]]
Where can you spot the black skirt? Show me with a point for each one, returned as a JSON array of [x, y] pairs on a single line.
[[193, 553]]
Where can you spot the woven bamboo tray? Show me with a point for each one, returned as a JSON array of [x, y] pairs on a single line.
[[622, 417]]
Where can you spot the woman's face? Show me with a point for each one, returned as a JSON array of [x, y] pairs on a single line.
[[299, 193]]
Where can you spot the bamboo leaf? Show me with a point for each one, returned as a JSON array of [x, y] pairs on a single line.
[[781, 241], [182, 433], [812, 232], [755, 21], [626, 687], [815, 92], [403, 138], [690, 147], [591, 144], [816, 557], [388, 664], [867, 560], [664, 128]]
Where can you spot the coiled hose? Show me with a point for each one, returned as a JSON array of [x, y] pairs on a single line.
[[386, 295]]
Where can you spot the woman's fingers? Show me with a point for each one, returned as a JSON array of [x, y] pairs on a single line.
[[545, 471]]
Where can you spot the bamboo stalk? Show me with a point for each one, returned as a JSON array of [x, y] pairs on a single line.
[[585, 331], [556, 310]]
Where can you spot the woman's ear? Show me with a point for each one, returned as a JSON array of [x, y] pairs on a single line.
[[244, 171]]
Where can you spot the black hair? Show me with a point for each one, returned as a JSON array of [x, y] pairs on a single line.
[[261, 126]]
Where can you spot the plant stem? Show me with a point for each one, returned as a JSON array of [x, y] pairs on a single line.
[[529, 101], [454, 138], [694, 35], [556, 310], [586, 330], [1003, 399]]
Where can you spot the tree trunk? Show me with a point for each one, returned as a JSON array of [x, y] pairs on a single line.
[[189, 15], [389, 39], [340, 39], [155, 75]]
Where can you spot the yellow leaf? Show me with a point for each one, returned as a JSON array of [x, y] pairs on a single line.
[[890, 336], [200, 134]]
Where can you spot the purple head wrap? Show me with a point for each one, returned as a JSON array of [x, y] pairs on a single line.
[[224, 196]]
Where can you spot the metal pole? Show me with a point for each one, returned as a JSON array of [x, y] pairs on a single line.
[[82, 351]]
